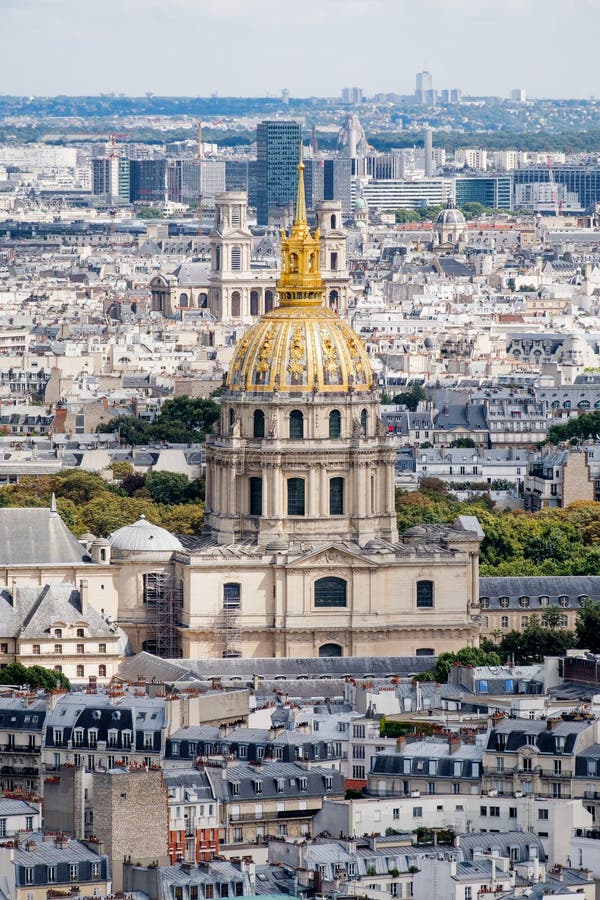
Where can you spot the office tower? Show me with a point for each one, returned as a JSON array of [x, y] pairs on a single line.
[[236, 175], [314, 172], [518, 95], [278, 153], [148, 180], [110, 179], [352, 95], [337, 182], [212, 179], [424, 93], [183, 180]]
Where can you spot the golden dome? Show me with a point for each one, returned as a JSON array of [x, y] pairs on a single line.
[[300, 349], [300, 345]]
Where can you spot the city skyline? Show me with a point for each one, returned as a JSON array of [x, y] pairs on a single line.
[[258, 47]]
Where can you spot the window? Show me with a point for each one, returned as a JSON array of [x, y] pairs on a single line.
[[236, 258], [2, 827], [236, 305], [424, 594], [417, 812], [544, 601], [58, 736], [484, 602], [58, 632], [101, 671], [336, 497], [330, 591], [259, 423], [95, 870], [101, 648], [563, 601], [80, 632], [524, 621], [80, 671], [504, 621], [542, 814], [148, 740], [364, 421], [396, 813], [295, 497], [504, 602], [58, 648], [232, 595], [468, 892], [29, 823], [51, 874], [495, 811], [335, 423], [256, 496], [29, 876], [512, 812], [80, 649], [557, 767], [296, 425], [524, 602], [74, 872], [425, 651]]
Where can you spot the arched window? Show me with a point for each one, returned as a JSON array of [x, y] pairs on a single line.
[[236, 258], [102, 671], [293, 263], [330, 591], [259, 423], [333, 299], [330, 650], [424, 594], [364, 422], [231, 417], [202, 300], [296, 424], [335, 423], [235, 305], [295, 497], [268, 301], [232, 595], [217, 259], [183, 300], [524, 602], [80, 671], [254, 303], [425, 651], [256, 496], [333, 221], [336, 497]]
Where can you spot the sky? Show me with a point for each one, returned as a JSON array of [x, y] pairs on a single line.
[[311, 47]]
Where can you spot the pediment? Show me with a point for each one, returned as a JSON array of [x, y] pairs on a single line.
[[331, 555]]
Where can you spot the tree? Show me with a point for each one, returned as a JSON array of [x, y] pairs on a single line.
[[587, 626], [463, 442], [411, 398], [407, 215], [537, 641], [468, 656], [35, 677], [167, 487]]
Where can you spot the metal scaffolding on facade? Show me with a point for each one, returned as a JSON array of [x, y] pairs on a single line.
[[163, 601], [228, 632]]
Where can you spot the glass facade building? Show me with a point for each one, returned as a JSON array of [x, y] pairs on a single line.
[[278, 155]]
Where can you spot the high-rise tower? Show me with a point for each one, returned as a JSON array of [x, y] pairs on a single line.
[[277, 153]]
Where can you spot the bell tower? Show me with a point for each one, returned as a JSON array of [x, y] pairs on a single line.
[[230, 252], [335, 274]]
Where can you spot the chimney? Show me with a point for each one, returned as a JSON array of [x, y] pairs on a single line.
[[454, 743], [551, 724], [401, 744], [83, 596], [496, 719]]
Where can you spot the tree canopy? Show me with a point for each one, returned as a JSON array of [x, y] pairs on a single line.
[[34, 677], [182, 420]]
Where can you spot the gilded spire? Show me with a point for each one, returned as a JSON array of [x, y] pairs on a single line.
[[301, 196], [300, 281]]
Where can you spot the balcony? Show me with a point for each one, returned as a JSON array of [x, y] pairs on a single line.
[[272, 816]]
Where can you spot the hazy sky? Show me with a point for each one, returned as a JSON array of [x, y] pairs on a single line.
[[312, 47]]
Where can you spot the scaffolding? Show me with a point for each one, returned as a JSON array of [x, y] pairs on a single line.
[[228, 626], [163, 600]]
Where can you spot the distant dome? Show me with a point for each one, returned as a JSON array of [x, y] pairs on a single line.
[[360, 203], [451, 216], [144, 537]]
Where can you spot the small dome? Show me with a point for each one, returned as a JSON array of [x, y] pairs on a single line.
[[87, 538], [360, 203], [101, 542], [143, 537], [451, 216]]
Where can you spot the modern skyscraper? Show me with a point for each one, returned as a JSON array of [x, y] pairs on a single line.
[[110, 178], [148, 180], [424, 93], [278, 154]]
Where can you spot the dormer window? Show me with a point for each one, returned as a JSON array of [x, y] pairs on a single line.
[[258, 786], [524, 602]]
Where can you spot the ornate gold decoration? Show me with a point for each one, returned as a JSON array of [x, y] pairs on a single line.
[[300, 345]]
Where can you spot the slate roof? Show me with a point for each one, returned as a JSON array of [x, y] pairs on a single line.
[[58, 603], [16, 714], [269, 774], [503, 841], [534, 587], [462, 415], [545, 741], [37, 537], [145, 665]]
